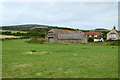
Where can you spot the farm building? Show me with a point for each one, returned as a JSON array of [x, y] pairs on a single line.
[[97, 36], [113, 34], [59, 35]]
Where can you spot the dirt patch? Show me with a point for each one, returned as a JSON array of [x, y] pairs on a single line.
[[38, 74], [75, 54], [22, 65], [37, 53]]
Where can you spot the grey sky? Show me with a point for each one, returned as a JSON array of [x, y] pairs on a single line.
[[81, 15]]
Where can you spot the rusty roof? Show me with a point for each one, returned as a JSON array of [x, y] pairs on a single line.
[[67, 34], [93, 33], [65, 31]]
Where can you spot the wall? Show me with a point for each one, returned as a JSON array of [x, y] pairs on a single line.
[[112, 31], [74, 41], [84, 39], [51, 34], [93, 37]]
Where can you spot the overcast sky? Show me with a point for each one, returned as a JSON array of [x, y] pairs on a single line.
[[78, 15]]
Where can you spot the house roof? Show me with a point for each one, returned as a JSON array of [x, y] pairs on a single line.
[[67, 34], [114, 28], [118, 31], [93, 33]]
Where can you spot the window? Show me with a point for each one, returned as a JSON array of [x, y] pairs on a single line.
[[112, 36], [90, 35], [95, 35]]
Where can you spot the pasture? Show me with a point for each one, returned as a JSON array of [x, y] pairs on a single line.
[[9, 37], [12, 31], [63, 61]]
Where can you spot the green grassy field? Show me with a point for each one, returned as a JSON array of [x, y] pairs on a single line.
[[64, 61], [13, 31]]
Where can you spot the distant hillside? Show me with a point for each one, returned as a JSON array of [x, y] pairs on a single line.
[[100, 29], [31, 26], [19, 27]]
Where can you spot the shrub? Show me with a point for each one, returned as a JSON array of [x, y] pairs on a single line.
[[33, 50], [113, 42], [109, 40], [36, 40], [90, 39]]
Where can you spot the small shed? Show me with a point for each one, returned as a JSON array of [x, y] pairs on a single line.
[[59, 35]]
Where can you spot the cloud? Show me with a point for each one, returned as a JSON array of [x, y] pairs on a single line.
[[82, 15], [59, 0]]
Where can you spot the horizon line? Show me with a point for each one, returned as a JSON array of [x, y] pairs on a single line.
[[54, 26]]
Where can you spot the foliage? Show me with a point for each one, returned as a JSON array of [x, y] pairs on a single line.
[[32, 33], [33, 50], [35, 32], [36, 40], [38, 32], [106, 43], [18, 33], [90, 39], [27, 27], [113, 42], [104, 33], [110, 40]]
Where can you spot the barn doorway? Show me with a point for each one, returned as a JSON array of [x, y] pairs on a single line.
[[50, 39]]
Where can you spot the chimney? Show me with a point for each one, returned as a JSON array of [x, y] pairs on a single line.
[[114, 27]]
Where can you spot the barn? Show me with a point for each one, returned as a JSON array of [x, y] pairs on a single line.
[[59, 35]]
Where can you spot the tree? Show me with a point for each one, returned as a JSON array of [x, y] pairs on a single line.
[[90, 39]]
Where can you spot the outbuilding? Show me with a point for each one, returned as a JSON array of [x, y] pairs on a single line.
[[59, 35]]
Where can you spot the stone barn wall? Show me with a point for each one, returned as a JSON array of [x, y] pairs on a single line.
[[49, 35], [65, 36]]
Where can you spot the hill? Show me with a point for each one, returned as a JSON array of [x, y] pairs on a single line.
[[31, 26], [100, 29]]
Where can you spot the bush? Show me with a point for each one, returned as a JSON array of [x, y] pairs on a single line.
[[113, 42], [36, 40], [90, 39], [33, 50]]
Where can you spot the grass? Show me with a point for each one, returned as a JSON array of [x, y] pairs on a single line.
[[8, 36], [64, 61], [0, 59], [12, 31]]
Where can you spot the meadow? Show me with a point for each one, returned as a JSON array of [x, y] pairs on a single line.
[[63, 60], [9, 37], [12, 31]]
